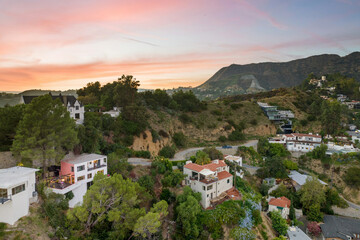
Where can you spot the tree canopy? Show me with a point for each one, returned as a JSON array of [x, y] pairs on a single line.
[[46, 131]]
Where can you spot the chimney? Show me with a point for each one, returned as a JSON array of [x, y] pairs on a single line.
[[216, 161]]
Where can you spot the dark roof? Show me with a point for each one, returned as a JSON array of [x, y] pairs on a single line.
[[64, 99], [340, 227]]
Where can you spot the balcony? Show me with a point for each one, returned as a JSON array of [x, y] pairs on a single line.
[[208, 180], [60, 182], [96, 167], [4, 200]]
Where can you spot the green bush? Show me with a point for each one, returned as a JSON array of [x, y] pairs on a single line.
[[142, 154], [179, 139], [184, 118], [167, 152], [352, 177], [253, 122], [235, 106], [222, 139], [216, 112], [236, 136]]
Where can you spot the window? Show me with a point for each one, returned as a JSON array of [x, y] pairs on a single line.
[[204, 188], [18, 189], [89, 175], [210, 187], [104, 160], [77, 116], [3, 193], [207, 195], [81, 168], [72, 169], [77, 107], [228, 181], [81, 178]]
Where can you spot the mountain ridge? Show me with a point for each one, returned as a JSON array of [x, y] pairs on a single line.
[[272, 75]]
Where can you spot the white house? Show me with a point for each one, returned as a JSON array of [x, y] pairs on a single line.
[[281, 204], [335, 148], [298, 142], [237, 160], [74, 107], [212, 180], [295, 233], [77, 175], [115, 112], [17, 192]]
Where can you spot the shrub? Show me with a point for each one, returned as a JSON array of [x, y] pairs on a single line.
[[216, 112], [235, 106], [179, 139], [167, 195], [147, 182], [213, 153], [167, 152], [278, 223], [352, 177], [184, 118], [290, 165], [236, 136], [313, 228], [172, 179], [253, 122], [256, 216], [222, 139], [303, 122], [142, 154]]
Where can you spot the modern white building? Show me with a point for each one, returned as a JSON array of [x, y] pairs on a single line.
[[77, 174], [298, 142], [74, 107], [237, 160], [115, 112], [212, 180], [281, 204], [295, 233], [17, 192]]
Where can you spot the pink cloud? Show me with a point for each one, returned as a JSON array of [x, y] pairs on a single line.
[[252, 9]]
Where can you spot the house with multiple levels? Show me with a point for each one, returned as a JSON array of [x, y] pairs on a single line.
[[74, 107], [237, 160], [17, 192], [274, 114], [77, 174], [281, 204], [336, 227], [212, 180], [298, 142]]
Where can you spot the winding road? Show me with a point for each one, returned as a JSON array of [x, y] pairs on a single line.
[[187, 153]]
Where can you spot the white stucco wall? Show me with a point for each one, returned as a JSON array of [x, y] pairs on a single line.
[[284, 212], [18, 206]]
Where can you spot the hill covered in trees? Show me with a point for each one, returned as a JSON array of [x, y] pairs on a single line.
[[270, 75]]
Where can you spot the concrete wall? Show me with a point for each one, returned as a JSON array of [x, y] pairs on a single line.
[[18, 206], [79, 193]]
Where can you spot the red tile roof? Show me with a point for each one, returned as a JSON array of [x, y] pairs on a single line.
[[194, 167], [211, 166], [223, 175], [306, 135], [280, 202]]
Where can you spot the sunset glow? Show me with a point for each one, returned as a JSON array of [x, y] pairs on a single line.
[[63, 45]]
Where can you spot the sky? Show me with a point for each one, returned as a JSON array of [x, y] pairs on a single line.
[[59, 45]]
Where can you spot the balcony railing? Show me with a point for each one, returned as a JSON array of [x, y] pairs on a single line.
[[4, 200], [96, 167], [59, 182]]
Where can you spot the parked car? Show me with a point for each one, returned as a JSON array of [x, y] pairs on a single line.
[[226, 146]]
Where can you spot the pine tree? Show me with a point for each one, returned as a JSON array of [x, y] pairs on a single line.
[[46, 132]]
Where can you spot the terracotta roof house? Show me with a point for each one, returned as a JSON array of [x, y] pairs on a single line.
[[212, 180], [281, 204]]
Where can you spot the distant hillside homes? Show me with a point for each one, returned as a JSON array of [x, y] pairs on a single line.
[[74, 107]]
